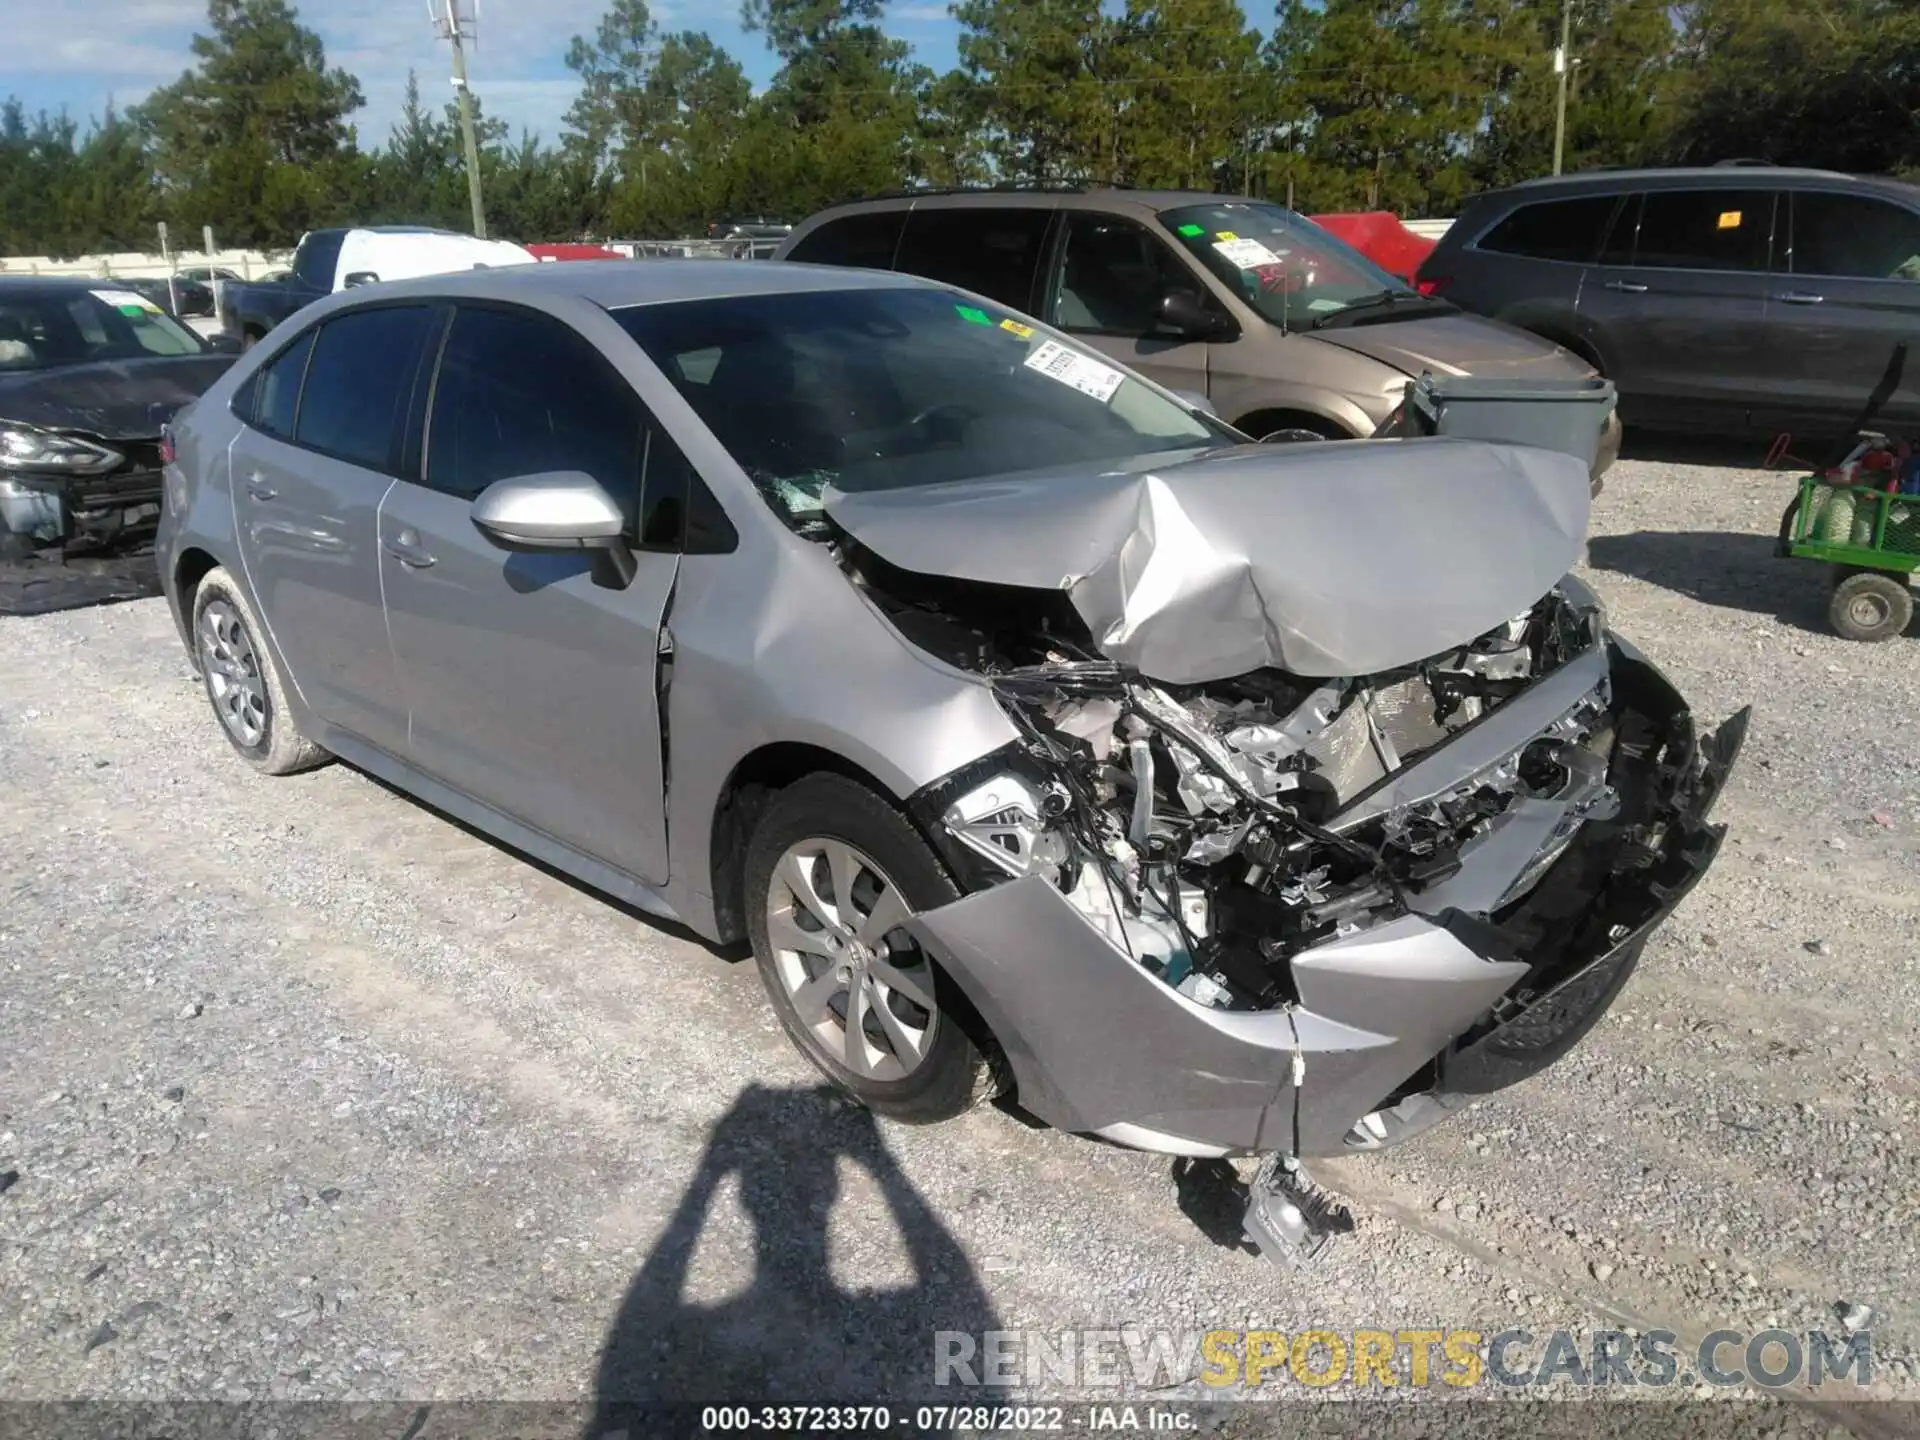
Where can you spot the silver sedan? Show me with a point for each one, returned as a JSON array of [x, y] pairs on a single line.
[[1041, 733]]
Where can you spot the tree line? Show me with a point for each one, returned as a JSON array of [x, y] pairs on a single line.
[[1407, 105]]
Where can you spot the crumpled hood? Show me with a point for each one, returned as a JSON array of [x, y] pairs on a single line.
[[1457, 345], [1324, 560], [113, 399]]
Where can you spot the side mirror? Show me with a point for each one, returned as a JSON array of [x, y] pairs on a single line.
[[361, 277], [221, 343], [1187, 315], [558, 510]]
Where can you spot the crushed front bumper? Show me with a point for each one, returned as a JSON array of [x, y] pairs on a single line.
[[55, 509], [1396, 1026]]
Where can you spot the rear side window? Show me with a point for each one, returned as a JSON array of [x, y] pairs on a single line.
[[276, 389], [992, 252], [520, 394], [1553, 229], [1703, 230], [864, 241], [1854, 236], [359, 383]]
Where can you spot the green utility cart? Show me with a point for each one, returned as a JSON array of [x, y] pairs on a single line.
[[1870, 535]]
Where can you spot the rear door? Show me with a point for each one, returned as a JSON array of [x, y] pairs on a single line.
[[1105, 283], [1527, 268], [531, 688], [1676, 305], [309, 472], [1846, 316]]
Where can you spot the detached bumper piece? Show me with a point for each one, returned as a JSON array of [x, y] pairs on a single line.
[[1290, 1218]]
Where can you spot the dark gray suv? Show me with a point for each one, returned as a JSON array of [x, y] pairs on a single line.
[[1728, 299]]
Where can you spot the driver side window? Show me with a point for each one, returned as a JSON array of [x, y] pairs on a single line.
[[1111, 275]]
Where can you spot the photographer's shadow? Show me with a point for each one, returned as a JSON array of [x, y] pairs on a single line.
[[793, 1335]]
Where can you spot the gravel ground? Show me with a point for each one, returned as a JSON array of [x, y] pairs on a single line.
[[307, 1093]]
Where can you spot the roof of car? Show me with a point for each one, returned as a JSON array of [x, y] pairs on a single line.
[[1077, 196], [58, 284], [616, 283], [1729, 176]]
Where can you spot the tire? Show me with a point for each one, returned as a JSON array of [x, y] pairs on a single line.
[[924, 1066], [242, 682], [1870, 606], [250, 337]]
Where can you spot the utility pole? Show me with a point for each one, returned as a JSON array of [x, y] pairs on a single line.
[[1562, 66], [457, 29]]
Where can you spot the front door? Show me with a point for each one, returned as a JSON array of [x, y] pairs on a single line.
[[1845, 320], [1677, 303], [531, 688], [1108, 277], [308, 474]]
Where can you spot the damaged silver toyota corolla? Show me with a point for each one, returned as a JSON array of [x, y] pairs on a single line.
[[1212, 798]]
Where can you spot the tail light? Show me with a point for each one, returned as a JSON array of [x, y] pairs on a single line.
[[1432, 284], [166, 445]]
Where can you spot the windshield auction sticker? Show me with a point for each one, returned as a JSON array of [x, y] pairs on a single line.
[[1070, 367], [1244, 254], [126, 302]]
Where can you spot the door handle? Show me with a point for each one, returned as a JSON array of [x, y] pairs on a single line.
[[406, 548], [1799, 297], [258, 488], [1627, 287]]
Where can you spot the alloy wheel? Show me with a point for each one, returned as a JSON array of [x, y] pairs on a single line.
[[859, 983], [232, 668]]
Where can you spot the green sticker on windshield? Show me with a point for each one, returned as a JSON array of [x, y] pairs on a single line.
[[1191, 230], [972, 315], [134, 310]]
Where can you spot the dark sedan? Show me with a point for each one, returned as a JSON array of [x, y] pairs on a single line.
[[90, 374]]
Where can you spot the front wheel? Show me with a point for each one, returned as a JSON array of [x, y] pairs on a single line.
[[1870, 606], [833, 874]]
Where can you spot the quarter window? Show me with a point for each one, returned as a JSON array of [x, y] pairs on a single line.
[[360, 383], [276, 389], [1554, 229], [1854, 236]]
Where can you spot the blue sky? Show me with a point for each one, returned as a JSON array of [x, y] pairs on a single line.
[[78, 54]]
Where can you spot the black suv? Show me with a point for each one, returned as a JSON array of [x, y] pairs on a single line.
[[1730, 299]]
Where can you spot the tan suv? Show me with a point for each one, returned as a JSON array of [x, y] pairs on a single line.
[[1280, 325]]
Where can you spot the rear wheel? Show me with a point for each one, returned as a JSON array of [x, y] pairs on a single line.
[[833, 874], [1870, 606], [242, 683]]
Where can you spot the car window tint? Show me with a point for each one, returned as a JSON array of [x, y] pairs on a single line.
[[866, 241], [1704, 229], [992, 252], [1854, 235], [1553, 230], [1111, 276], [524, 394], [1617, 247], [359, 382], [276, 388], [677, 511]]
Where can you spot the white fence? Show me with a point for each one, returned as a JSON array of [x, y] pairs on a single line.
[[247, 264]]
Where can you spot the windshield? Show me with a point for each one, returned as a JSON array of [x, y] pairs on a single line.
[[67, 327], [887, 388], [1286, 267]]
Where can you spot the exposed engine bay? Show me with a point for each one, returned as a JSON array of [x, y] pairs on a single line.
[[1212, 831]]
